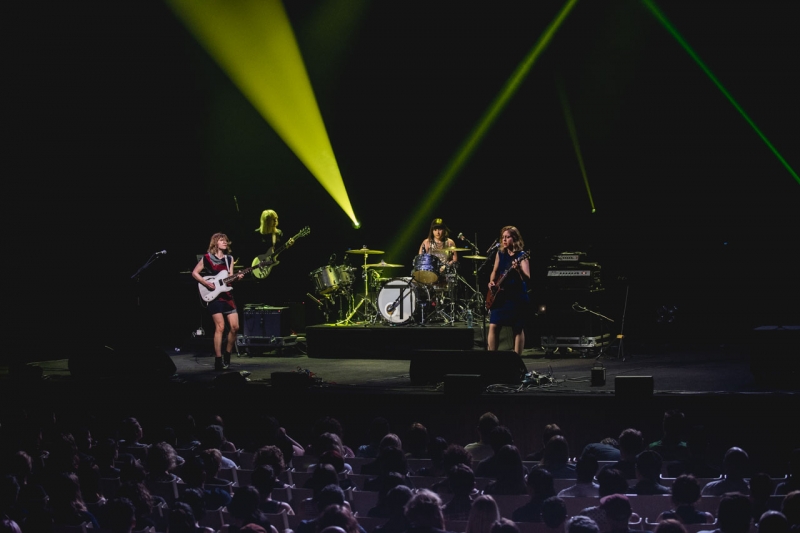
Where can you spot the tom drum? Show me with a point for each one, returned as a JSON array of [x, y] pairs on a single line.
[[426, 269]]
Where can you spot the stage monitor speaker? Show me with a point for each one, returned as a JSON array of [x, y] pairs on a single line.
[[140, 363], [633, 388], [431, 366]]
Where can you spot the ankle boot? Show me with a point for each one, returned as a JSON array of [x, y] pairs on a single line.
[[219, 365], [226, 358]]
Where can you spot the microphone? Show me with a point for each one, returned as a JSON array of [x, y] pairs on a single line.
[[162, 252], [493, 247], [461, 236]]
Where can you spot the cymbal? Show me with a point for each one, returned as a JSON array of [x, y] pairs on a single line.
[[455, 249], [364, 251], [381, 265], [478, 257]]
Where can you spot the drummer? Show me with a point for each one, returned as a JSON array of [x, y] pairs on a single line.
[[439, 238]]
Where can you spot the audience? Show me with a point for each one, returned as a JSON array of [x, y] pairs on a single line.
[[483, 515], [585, 486], [685, 492], [735, 467], [481, 449]]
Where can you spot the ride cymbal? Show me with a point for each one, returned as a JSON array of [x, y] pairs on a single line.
[[364, 251], [455, 249], [382, 265], [476, 257]]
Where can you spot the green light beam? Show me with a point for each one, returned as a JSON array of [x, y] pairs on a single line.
[[573, 133], [465, 151], [674, 32]]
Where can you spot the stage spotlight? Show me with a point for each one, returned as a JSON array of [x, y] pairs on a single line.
[[356, 224]]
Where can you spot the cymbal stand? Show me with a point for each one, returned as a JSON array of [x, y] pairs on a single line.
[[370, 311]]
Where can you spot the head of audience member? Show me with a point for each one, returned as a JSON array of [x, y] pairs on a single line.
[[390, 440], [212, 462], [328, 442], [65, 497], [63, 454], [790, 507], [417, 440], [328, 495], [631, 443], [504, 525], [161, 459], [119, 515], [509, 464], [486, 423], [581, 524], [9, 526], [674, 425], [263, 479], [244, 505], [270, 455], [550, 431], [736, 463], [461, 480], [611, 481], [761, 487], [685, 490], [333, 458], [556, 452], [181, 518], [734, 513], [648, 465], [338, 516], [424, 510], [396, 499], [212, 436], [586, 468], [540, 484], [618, 510], [106, 452], [327, 424], [455, 454], [773, 522], [436, 449], [554, 512], [670, 526], [483, 514], [130, 431], [9, 493], [195, 498], [499, 437], [322, 476], [20, 465], [392, 459], [378, 428], [138, 494]]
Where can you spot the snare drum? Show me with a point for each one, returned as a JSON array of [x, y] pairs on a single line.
[[400, 299], [426, 268], [325, 279]]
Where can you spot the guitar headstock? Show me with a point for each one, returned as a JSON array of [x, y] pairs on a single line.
[[303, 232]]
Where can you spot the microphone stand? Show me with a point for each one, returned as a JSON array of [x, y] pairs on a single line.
[[138, 273]]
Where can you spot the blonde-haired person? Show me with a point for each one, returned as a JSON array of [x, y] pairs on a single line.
[[218, 259], [483, 514], [512, 296]]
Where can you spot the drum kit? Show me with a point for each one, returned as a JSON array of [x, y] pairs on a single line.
[[430, 295]]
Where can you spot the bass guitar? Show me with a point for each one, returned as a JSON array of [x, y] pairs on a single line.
[[263, 264], [491, 296]]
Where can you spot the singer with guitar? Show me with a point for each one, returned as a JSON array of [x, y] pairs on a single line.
[[218, 260], [508, 293]]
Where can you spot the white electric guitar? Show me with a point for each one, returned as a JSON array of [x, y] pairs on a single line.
[[221, 283]]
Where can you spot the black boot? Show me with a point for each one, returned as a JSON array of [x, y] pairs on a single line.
[[226, 359], [219, 364]]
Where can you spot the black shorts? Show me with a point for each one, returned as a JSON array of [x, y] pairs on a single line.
[[221, 306]]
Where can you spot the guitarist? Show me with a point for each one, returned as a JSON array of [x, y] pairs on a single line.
[[216, 260], [270, 236], [511, 296]]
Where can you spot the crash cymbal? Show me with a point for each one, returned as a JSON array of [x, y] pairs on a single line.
[[382, 265], [364, 251], [473, 257], [455, 249]]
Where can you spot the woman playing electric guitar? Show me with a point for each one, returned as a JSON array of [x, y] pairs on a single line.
[[508, 290], [217, 260]]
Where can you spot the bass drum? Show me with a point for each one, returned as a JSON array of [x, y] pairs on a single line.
[[400, 299]]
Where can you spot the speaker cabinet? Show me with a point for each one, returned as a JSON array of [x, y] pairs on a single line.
[[431, 366]]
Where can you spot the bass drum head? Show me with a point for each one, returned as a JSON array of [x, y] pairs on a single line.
[[397, 300]]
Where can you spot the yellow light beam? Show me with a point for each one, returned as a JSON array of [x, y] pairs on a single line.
[[253, 42], [465, 151], [674, 32], [573, 133]]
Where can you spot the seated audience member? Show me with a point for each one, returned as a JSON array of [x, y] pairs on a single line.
[[735, 466], [417, 442], [183, 520], [582, 524], [761, 488], [671, 446], [390, 440], [733, 514], [244, 510], [263, 479], [272, 456], [462, 483], [540, 487], [648, 472], [378, 428], [66, 503], [791, 509], [685, 492], [436, 449], [226, 445], [193, 497], [424, 513], [339, 516], [498, 437], [105, 453], [143, 502], [556, 458], [697, 464], [792, 481], [329, 495], [605, 450], [585, 470], [323, 475], [773, 522], [212, 462], [670, 526], [481, 449], [391, 459], [161, 464], [617, 509], [631, 444], [509, 472], [267, 431], [610, 482], [554, 512], [393, 481], [453, 455], [328, 424], [118, 516], [131, 434], [328, 443], [483, 514], [393, 506], [504, 525], [213, 438], [549, 431], [194, 476]]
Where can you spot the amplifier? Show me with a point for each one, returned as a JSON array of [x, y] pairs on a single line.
[[578, 276], [266, 321]]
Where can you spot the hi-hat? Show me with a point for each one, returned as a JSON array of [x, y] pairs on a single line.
[[455, 249], [364, 251], [473, 257], [382, 265]]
